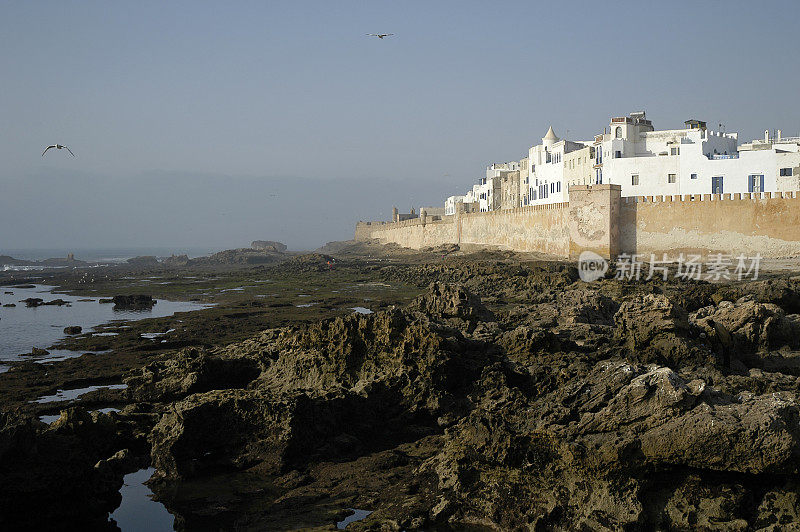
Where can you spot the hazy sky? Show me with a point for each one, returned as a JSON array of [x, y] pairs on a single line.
[[214, 124]]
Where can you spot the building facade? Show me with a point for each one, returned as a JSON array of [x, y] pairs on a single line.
[[643, 161]]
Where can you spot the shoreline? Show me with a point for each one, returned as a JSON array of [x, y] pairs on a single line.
[[381, 411]]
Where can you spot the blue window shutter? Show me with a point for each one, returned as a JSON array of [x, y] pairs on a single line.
[[750, 184], [761, 177]]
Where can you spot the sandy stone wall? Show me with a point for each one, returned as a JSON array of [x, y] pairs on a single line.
[[536, 228], [598, 219], [593, 215], [767, 223], [541, 228], [414, 234]]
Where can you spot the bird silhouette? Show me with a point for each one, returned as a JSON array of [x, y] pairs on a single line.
[[58, 147], [379, 35]]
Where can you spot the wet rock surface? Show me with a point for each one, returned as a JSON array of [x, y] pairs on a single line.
[[507, 396]]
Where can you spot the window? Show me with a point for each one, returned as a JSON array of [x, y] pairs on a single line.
[[598, 176], [618, 132], [558, 186], [617, 154], [716, 185], [675, 151], [786, 172], [755, 183], [552, 187], [635, 179], [693, 176], [671, 178]]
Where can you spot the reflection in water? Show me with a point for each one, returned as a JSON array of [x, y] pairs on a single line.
[[138, 511], [362, 310], [49, 418], [358, 515], [22, 328]]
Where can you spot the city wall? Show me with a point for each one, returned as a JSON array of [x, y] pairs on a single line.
[[766, 223], [598, 219], [540, 228]]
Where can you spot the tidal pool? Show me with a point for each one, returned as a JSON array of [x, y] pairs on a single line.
[[68, 395], [22, 328], [138, 510]]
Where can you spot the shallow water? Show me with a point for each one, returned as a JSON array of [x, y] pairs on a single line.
[[138, 511], [361, 310], [358, 515], [68, 395], [49, 418], [22, 328]]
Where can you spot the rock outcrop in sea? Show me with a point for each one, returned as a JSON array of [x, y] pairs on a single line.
[[600, 406]]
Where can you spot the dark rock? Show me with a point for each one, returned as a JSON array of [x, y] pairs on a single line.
[[176, 260], [268, 245], [654, 329], [57, 303], [73, 329], [134, 301], [38, 352], [32, 302], [48, 478], [191, 371]]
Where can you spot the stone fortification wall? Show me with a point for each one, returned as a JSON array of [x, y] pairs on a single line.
[[766, 223], [599, 220]]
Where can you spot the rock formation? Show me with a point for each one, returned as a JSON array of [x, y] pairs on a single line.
[[548, 405]]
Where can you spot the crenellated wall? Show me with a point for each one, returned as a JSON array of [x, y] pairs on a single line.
[[538, 228], [766, 223], [599, 220]]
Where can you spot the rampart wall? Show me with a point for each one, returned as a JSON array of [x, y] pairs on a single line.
[[599, 220], [765, 223]]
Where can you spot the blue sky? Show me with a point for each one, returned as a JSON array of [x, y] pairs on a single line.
[[156, 98]]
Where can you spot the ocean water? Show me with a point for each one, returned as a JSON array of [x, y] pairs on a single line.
[[107, 255], [23, 328]]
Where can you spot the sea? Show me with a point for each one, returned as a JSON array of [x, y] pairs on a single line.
[[107, 255]]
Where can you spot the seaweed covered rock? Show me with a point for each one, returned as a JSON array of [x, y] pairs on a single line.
[[445, 301], [629, 430], [190, 371], [748, 326], [654, 329], [133, 301]]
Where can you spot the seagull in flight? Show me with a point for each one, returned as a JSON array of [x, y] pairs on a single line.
[[379, 35], [58, 147]]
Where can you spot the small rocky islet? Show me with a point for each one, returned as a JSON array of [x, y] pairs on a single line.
[[504, 394]]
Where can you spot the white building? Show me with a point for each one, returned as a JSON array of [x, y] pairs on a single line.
[[692, 160], [546, 183], [645, 162]]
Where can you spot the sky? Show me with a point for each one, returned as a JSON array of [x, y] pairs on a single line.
[[212, 124]]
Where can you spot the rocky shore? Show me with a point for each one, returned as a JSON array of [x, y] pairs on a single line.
[[509, 395]]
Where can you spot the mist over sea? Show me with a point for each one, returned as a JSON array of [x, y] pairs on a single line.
[[109, 255]]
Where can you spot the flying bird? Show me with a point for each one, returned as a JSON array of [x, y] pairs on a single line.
[[58, 147], [379, 35]]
